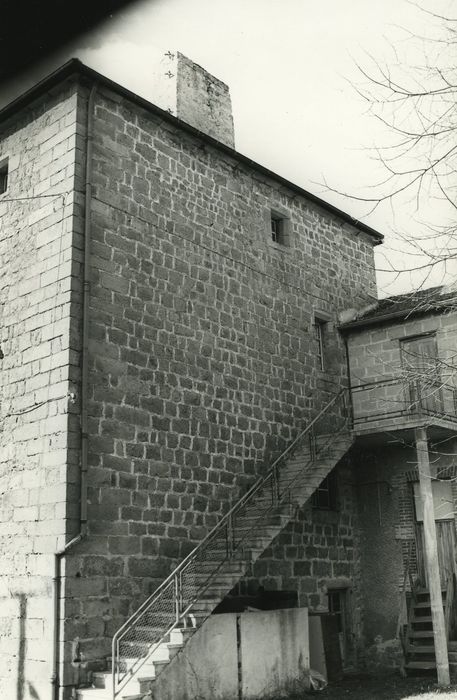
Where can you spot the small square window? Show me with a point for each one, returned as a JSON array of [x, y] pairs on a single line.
[[3, 176], [277, 229]]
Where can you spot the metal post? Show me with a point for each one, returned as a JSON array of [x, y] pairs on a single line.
[[229, 536], [177, 594], [431, 558], [312, 444]]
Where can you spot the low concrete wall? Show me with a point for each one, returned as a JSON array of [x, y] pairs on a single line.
[[261, 654], [207, 668], [274, 652]]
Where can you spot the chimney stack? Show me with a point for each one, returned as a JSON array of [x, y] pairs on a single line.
[[203, 101]]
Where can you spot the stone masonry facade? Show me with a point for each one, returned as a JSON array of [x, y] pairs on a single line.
[[39, 468], [316, 552], [375, 357], [387, 516], [202, 361], [202, 352]]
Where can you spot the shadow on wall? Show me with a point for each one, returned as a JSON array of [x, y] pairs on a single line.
[[32, 693]]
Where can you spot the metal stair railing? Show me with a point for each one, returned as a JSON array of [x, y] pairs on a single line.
[[405, 613], [171, 603]]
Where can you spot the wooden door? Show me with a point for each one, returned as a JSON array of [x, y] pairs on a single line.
[[445, 531], [420, 367], [445, 537]]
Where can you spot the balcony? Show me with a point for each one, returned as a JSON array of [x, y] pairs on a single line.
[[398, 404]]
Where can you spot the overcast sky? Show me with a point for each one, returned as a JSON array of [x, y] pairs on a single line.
[[289, 65]]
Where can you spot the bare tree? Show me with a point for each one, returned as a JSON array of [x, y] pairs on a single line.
[[414, 97]]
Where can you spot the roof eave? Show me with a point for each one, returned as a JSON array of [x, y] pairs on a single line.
[[75, 67], [392, 316]]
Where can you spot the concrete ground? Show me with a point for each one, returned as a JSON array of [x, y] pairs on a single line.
[[364, 687]]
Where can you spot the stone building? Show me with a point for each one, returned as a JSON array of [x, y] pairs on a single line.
[[175, 337], [402, 375]]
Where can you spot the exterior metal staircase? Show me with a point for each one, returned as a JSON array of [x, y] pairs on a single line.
[[419, 648], [160, 628]]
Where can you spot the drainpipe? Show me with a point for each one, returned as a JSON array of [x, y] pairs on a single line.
[[58, 556], [348, 369]]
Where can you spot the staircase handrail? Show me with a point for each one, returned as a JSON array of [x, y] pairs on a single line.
[[414, 586], [403, 606], [402, 633], [225, 520]]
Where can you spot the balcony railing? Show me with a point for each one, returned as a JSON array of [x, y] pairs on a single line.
[[397, 398]]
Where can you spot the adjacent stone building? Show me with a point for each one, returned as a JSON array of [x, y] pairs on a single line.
[[170, 318], [403, 374]]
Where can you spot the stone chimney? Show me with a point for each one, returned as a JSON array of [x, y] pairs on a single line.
[[203, 101]]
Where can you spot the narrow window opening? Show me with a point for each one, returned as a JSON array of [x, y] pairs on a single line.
[[3, 176], [319, 333], [277, 229]]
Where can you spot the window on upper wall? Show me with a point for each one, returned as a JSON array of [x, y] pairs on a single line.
[[279, 229], [277, 226], [3, 176], [325, 496]]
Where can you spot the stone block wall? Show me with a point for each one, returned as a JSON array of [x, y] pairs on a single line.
[[38, 419], [202, 356], [317, 551], [202, 351], [375, 359]]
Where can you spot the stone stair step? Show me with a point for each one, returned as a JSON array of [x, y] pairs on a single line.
[[421, 649], [204, 608], [144, 676], [103, 694], [258, 544], [259, 523], [173, 649], [424, 605], [102, 679], [217, 580], [226, 568], [220, 554], [135, 648], [94, 694], [421, 618], [147, 669], [267, 531], [420, 665], [418, 634], [181, 635], [209, 597]]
